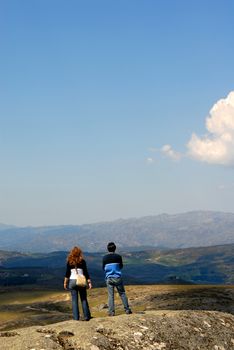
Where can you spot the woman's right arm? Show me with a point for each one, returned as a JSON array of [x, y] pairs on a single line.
[[86, 273]]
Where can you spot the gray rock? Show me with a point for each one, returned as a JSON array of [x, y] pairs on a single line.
[[156, 330]]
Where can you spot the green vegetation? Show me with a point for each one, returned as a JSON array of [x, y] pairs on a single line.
[[205, 265]]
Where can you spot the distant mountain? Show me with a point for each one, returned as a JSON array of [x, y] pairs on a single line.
[[4, 227], [192, 229]]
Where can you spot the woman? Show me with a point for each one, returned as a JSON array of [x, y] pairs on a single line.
[[77, 265]]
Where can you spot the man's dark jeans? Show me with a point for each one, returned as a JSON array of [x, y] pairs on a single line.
[[111, 283]]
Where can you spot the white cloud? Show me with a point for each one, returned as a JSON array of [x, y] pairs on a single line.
[[150, 160], [226, 187], [217, 146], [169, 152]]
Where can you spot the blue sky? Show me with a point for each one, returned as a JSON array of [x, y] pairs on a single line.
[[91, 92]]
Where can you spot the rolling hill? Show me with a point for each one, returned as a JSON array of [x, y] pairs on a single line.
[[203, 265]]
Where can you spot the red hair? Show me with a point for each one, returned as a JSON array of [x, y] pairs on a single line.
[[75, 256]]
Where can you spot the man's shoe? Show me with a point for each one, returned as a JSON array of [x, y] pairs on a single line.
[[129, 312], [111, 314]]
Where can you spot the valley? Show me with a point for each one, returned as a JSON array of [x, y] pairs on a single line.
[[204, 265]]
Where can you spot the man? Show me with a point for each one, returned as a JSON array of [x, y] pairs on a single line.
[[112, 264]]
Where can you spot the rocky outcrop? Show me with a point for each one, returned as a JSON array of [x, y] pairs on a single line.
[[158, 330]]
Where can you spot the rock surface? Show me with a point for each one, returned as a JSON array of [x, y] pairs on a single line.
[[158, 330]]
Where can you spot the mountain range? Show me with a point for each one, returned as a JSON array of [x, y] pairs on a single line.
[[191, 229]]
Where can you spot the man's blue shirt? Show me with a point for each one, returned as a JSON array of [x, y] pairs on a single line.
[[112, 264]]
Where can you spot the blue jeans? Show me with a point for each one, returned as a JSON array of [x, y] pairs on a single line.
[[75, 290], [111, 283]]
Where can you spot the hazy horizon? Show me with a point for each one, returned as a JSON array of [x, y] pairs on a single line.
[[118, 219]]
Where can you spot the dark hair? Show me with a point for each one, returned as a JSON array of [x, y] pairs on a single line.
[[111, 247]]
